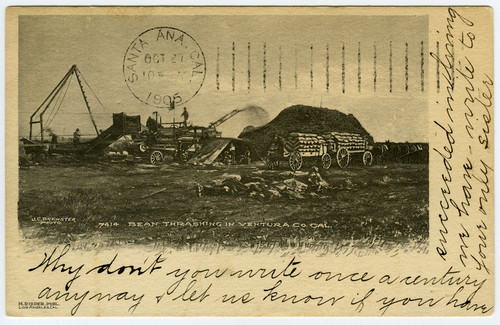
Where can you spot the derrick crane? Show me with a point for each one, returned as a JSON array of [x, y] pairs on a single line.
[[58, 94], [224, 118]]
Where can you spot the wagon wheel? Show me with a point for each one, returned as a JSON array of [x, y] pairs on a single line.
[[156, 157], [367, 158], [143, 147], [295, 161], [39, 156], [343, 157], [326, 161], [184, 156]]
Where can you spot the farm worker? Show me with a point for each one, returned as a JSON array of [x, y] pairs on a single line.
[[316, 180], [53, 139], [53, 142], [227, 157], [246, 158], [199, 189], [276, 146], [179, 151], [232, 151], [274, 143], [185, 115], [76, 136]]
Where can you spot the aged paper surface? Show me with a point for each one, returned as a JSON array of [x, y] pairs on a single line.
[[249, 161]]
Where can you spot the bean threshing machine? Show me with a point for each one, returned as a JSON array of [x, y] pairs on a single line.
[[178, 140], [319, 149]]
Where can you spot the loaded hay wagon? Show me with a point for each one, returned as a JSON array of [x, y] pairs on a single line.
[[299, 147], [345, 144]]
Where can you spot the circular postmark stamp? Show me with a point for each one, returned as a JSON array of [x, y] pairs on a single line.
[[164, 65]]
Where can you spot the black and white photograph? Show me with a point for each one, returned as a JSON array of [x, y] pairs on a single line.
[[163, 132]]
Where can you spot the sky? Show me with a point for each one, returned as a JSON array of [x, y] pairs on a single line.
[[294, 46]]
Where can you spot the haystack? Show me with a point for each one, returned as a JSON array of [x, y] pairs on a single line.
[[303, 119]]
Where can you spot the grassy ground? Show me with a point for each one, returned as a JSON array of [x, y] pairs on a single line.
[[107, 204]]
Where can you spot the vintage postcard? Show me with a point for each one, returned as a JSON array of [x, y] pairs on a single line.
[[308, 161]]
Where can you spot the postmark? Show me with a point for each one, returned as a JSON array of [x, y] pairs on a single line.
[[164, 65]]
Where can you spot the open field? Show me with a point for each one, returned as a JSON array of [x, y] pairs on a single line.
[[106, 204]]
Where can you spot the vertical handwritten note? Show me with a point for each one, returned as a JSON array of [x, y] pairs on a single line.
[[464, 153]]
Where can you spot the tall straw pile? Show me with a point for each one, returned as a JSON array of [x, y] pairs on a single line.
[[303, 119]]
